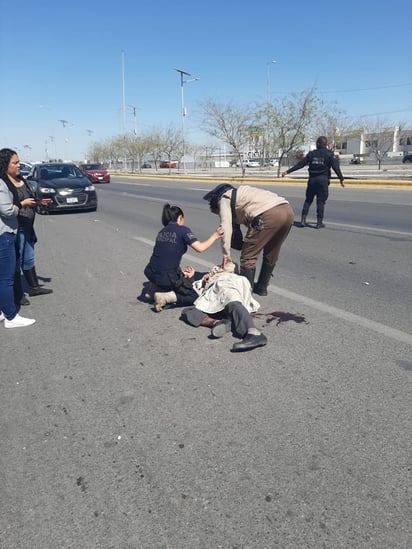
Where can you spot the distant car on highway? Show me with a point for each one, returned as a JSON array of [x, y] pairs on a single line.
[[25, 168], [62, 187], [249, 163], [407, 158], [95, 172], [146, 165], [166, 164]]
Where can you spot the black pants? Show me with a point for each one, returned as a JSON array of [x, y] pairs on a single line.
[[174, 281], [236, 311], [319, 187]]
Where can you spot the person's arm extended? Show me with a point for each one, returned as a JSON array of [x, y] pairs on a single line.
[[205, 245], [337, 170], [301, 164]]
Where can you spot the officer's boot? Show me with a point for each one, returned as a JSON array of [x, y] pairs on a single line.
[[249, 274], [320, 224], [261, 287], [305, 211]]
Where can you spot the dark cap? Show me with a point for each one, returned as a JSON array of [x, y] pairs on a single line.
[[217, 192]]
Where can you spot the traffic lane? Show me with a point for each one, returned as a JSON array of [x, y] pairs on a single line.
[[133, 428], [357, 271], [382, 208], [365, 272]]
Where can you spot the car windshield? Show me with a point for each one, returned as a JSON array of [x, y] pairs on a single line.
[[93, 167], [60, 171]]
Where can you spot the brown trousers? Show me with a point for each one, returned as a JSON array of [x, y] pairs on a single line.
[[277, 223]]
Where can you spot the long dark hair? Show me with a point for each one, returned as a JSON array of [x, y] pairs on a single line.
[[170, 214], [5, 157]]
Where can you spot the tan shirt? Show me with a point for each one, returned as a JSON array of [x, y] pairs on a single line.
[[250, 202]]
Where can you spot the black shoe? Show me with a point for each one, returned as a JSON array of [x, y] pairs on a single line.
[[259, 291], [320, 224], [24, 301], [39, 290], [250, 342], [221, 327]]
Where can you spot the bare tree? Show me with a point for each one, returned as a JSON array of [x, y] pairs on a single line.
[[290, 123], [334, 124], [229, 124], [379, 138], [171, 143]]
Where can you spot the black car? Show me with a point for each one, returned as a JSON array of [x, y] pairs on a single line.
[[407, 158], [62, 187]]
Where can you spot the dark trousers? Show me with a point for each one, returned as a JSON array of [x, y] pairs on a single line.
[[174, 281], [319, 187], [236, 311], [277, 223]]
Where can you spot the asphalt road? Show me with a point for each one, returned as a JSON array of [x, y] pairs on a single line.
[[126, 429]]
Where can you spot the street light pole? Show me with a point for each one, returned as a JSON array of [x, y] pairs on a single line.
[[183, 108], [268, 67], [134, 118]]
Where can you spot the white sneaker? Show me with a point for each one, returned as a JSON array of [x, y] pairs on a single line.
[[18, 322], [1, 316]]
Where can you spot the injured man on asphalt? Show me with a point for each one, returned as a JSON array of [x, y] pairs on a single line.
[[225, 303]]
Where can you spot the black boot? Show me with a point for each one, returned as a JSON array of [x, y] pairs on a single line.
[[261, 287], [19, 297], [305, 211], [249, 274], [33, 282], [320, 224]]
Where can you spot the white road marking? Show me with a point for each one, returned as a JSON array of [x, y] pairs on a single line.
[[377, 327], [331, 223]]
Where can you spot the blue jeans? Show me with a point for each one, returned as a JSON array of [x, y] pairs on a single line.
[[7, 269], [25, 251]]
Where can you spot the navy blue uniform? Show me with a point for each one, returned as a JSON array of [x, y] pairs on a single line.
[[320, 161], [164, 270]]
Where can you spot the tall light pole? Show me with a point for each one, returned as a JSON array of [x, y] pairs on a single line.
[[123, 97], [134, 118], [64, 124], [183, 108], [268, 67]]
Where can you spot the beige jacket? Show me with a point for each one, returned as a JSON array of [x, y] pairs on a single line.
[[223, 288], [250, 202]]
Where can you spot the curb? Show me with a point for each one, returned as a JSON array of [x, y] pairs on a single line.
[[390, 183]]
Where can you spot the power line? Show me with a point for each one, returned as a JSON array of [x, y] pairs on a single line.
[[369, 89]]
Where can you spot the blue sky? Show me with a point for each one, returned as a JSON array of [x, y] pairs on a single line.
[[63, 61]]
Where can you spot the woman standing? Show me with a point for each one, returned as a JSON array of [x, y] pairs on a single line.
[[9, 210], [164, 269], [26, 237]]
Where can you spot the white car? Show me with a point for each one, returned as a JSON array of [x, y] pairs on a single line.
[[250, 163]]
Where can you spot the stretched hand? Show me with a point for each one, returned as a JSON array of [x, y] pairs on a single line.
[[189, 271], [219, 232]]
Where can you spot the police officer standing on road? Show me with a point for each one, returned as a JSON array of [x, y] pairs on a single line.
[[320, 162]]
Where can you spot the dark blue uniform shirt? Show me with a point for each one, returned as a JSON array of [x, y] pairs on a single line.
[[171, 244]]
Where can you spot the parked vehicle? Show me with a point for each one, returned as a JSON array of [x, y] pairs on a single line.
[[407, 158], [62, 187], [250, 163], [146, 165], [25, 168], [166, 164], [95, 172]]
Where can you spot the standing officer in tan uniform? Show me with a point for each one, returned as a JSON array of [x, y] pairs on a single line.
[[268, 218]]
